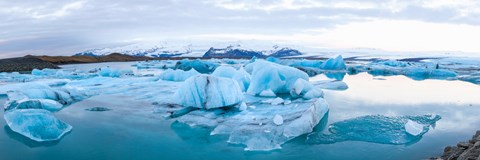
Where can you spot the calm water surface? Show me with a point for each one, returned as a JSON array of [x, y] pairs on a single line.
[[132, 131]]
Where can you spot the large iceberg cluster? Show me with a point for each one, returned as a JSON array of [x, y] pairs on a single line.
[[257, 118], [260, 104]]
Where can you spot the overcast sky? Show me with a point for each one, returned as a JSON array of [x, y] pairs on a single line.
[[63, 27]]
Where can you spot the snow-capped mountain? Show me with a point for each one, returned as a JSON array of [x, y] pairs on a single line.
[[238, 51], [144, 49], [214, 50]]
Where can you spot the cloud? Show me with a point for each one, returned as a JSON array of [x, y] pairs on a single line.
[[75, 25], [63, 11]]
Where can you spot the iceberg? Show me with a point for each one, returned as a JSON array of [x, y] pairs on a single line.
[[45, 72], [178, 75], [271, 76], [377, 129], [37, 124], [207, 92], [336, 63], [199, 65], [111, 72]]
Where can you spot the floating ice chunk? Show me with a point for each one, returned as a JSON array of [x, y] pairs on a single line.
[[224, 71], [277, 101], [423, 73], [37, 124], [278, 120], [394, 63], [304, 89], [413, 128], [199, 65], [376, 129], [45, 72], [243, 106], [336, 63], [267, 93], [178, 75], [271, 76], [207, 92], [112, 72]]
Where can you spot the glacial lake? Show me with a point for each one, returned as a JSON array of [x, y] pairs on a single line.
[[132, 131]]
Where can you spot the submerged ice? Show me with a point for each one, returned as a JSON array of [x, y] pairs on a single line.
[[377, 129]]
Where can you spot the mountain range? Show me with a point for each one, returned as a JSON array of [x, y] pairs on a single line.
[[164, 50]]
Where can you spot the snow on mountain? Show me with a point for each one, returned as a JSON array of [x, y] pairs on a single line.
[[238, 51], [162, 49], [213, 50]]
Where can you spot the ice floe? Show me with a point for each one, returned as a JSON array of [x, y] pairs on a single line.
[[377, 129]]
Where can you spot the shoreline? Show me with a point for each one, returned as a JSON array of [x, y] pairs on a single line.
[[465, 150]]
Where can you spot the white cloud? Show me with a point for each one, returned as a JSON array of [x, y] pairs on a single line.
[[63, 11]]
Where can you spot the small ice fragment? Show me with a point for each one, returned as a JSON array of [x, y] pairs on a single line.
[[278, 119], [98, 109], [252, 107], [267, 93], [277, 101], [413, 128], [243, 106], [287, 102]]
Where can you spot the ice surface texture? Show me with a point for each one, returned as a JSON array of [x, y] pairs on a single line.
[[376, 129], [271, 76], [264, 127], [37, 124], [207, 92]]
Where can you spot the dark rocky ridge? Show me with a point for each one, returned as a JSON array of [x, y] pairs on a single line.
[[26, 63], [469, 150]]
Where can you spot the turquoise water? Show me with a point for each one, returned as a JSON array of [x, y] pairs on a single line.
[[132, 131]]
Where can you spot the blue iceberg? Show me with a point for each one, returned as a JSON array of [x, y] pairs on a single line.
[[207, 92], [271, 76], [336, 63], [37, 124]]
